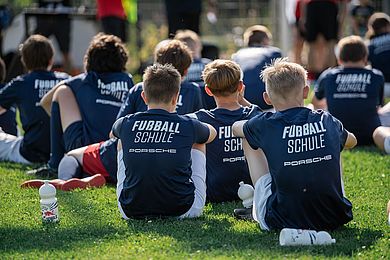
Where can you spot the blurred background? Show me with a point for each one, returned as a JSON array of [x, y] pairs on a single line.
[[222, 24]]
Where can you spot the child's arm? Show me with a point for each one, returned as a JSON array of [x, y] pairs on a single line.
[[48, 98], [319, 103], [212, 134], [238, 128], [351, 141]]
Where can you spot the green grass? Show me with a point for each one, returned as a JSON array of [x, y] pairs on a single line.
[[91, 226]]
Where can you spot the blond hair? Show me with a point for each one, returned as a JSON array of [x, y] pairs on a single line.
[[283, 79], [222, 77], [256, 35]]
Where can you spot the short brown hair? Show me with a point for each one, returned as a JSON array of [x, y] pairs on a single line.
[[378, 23], [256, 35], [161, 82], [37, 51], [176, 53], [283, 78], [222, 77], [191, 39], [352, 49], [106, 53]]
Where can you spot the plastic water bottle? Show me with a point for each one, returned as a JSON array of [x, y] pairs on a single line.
[[302, 237], [49, 205], [245, 193]]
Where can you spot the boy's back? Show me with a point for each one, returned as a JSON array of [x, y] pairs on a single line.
[[252, 60], [225, 161], [99, 97], [303, 153], [157, 147], [353, 95], [26, 91]]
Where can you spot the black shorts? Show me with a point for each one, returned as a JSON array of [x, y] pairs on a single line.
[[57, 25], [74, 136], [321, 18]]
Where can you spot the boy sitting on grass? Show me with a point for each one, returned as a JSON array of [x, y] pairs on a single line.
[[84, 107], [225, 161], [351, 92], [26, 91], [155, 174], [100, 158], [303, 188]]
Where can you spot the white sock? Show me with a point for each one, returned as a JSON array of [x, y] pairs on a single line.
[[68, 168], [387, 144]]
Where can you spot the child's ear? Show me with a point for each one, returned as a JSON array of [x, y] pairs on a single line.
[[144, 97], [208, 91], [266, 98], [175, 99], [51, 62], [241, 86], [185, 73], [306, 91]]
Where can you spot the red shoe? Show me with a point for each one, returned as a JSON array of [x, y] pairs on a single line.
[[96, 180], [38, 183]]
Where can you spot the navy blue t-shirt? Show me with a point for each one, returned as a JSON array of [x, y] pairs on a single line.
[[379, 54], [99, 96], [353, 95], [252, 61], [8, 120], [26, 92], [189, 100], [303, 153], [225, 160], [157, 156]]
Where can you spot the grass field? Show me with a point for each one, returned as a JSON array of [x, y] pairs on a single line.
[[91, 226]]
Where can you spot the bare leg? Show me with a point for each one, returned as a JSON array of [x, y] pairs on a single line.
[[381, 138], [69, 109], [67, 63], [257, 162], [298, 46]]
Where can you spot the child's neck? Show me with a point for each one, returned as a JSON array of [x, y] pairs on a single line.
[[350, 64], [167, 107], [291, 104], [229, 102]]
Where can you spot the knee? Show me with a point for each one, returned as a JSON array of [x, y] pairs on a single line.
[[63, 92]]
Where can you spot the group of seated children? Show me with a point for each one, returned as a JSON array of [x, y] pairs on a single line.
[[168, 156]]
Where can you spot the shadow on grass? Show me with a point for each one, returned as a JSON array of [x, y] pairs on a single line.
[[216, 231], [207, 235]]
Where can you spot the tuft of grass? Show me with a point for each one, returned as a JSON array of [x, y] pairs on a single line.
[[91, 227]]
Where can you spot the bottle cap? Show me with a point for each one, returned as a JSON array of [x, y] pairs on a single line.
[[47, 190]]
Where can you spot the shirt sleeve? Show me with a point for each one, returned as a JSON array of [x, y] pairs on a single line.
[[9, 95], [343, 133], [202, 132], [116, 127], [251, 132], [129, 106], [319, 87]]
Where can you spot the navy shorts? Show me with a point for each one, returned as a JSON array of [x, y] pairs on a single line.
[[74, 136]]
